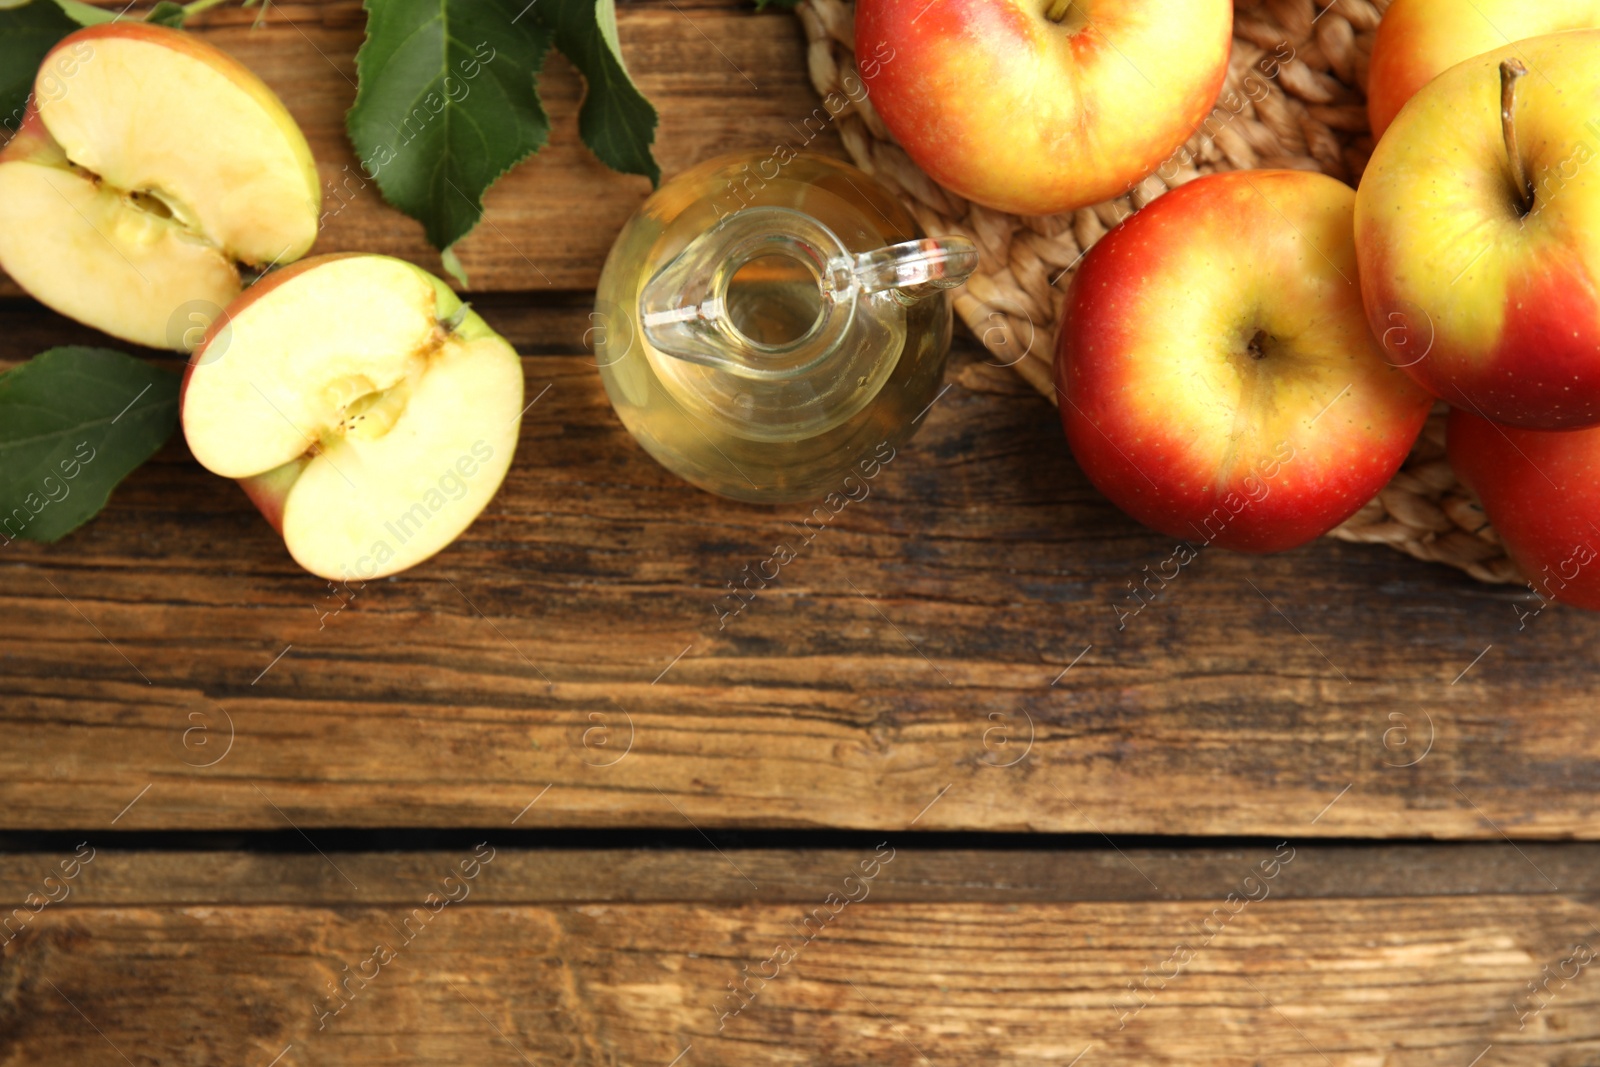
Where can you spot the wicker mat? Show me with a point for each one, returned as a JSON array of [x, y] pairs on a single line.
[[1307, 65]]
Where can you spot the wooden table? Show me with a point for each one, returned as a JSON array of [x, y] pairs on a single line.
[[929, 799]]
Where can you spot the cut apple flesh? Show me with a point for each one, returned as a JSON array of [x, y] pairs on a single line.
[[370, 413], [94, 255], [150, 165]]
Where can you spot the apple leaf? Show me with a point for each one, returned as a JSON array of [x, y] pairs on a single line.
[[86, 14], [73, 423], [784, 5], [446, 104], [448, 101], [26, 34], [167, 13], [616, 121]]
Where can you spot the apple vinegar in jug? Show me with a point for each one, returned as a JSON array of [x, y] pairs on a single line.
[[763, 336]]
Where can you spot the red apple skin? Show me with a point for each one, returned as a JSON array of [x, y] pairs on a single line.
[[1420, 39], [1540, 372], [1000, 104], [269, 492], [31, 141], [1541, 491], [1164, 406]]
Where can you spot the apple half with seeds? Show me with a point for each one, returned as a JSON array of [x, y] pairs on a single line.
[[150, 166], [367, 411]]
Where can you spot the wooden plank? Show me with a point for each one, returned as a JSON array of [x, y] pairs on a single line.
[[722, 77], [568, 649], [1407, 981]]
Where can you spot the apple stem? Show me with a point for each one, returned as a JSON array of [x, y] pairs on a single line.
[[1511, 72], [1058, 10]]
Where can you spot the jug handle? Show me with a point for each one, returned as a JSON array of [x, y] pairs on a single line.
[[914, 270]]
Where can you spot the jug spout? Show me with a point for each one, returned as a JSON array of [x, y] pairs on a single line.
[[814, 291]]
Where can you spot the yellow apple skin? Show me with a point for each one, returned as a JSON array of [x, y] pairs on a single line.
[[1216, 375], [1488, 310], [1420, 39], [1006, 107]]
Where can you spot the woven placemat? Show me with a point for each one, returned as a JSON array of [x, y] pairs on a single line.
[[1305, 109]]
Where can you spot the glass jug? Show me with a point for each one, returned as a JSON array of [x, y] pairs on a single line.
[[762, 336]]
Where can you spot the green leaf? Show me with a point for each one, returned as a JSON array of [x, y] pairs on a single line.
[[446, 105], [73, 423], [86, 14], [27, 33], [616, 122], [167, 13], [782, 5]]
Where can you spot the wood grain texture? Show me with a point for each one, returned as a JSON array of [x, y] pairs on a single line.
[[722, 77], [568, 649], [1402, 981], [944, 655]]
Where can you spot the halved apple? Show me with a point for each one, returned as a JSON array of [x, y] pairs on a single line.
[[368, 412], [150, 166]]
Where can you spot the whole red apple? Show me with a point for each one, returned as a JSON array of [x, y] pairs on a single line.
[[1478, 229], [1418, 40], [1040, 106], [1541, 491], [1216, 375]]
